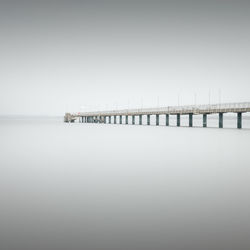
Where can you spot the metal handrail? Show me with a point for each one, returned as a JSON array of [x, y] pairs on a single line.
[[212, 108]]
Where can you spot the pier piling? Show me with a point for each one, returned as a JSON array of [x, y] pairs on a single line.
[[220, 120], [191, 120], [157, 119], [178, 120], [239, 120], [167, 119], [204, 120], [148, 119]]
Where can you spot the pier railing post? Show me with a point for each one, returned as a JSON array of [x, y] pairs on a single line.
[[204, 120], [157, 119], [239, 120], [220, 120], [140, 119], [148, 119], [178, 120], [191, 120]]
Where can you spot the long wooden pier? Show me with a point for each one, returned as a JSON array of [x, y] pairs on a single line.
[[190, 110]]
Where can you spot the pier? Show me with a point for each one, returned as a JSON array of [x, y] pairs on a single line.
[[178, 111]]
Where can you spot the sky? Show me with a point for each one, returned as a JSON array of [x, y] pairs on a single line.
[[69, 56]]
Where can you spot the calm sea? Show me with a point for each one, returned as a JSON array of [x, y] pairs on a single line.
[[118, 187]]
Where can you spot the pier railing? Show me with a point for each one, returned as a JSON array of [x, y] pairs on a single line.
[[194, 109]]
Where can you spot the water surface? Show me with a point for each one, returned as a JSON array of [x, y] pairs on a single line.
[[97, 186]]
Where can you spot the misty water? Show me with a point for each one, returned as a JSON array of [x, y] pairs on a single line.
[[112, 187]]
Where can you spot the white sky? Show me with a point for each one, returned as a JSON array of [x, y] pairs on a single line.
[[58, 56]]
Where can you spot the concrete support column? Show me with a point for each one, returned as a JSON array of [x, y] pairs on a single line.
[[167, 119], [104, 119], [190, 120], [220, 120], [157, 120], [109, 119], [114, 119], [178, 120], [140, 119], [82, 119], [126, 119], [148, 119], [204, 120], [239, 120], [120, 119], [133, 119]]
